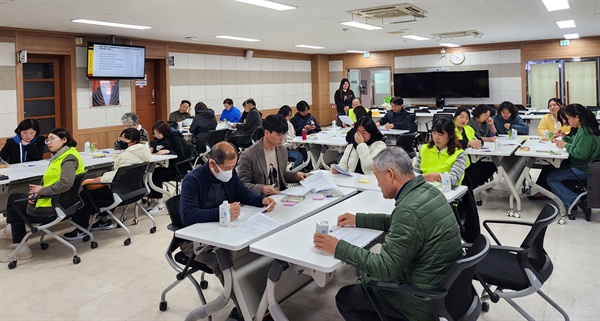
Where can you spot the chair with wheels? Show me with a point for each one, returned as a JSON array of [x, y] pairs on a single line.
[[184, 265], [65, 205], [589, 190], [128, 187], [521, 270], [455, 297]]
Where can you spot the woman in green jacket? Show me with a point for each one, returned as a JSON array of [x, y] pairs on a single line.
[[582, 148], [65, 164]]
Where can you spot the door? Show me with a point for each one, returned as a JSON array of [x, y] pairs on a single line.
[[145, 97], [42, 92], [580, 82], [381, 80], [543, 81]]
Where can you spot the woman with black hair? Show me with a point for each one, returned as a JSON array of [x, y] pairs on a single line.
[[343, 98], [582, 148], [366, 143], [26, 146], [296, 154], [483, 123], [65, 164], [508, 118], [167, 141], [443, 154], [551, 121]]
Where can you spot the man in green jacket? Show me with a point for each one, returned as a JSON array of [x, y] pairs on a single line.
[[422, 242]]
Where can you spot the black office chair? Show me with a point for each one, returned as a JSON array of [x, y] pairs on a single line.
[[128, 187], [184, 166], [454, 298], [522, 270], [242, 141], [408, 142], [184, 265], [429, 124], [214, 137], [65, 205], [589, 191]]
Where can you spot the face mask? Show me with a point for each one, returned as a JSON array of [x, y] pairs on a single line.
[[223, 176], [123, 145]]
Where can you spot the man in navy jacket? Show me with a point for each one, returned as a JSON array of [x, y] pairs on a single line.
[[398, 118]]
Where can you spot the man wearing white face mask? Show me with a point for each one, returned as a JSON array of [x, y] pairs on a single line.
[[206, 187]]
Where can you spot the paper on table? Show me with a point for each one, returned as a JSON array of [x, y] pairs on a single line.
[[507, 142], [256, 225], [346, 120], [247, 211], [318, 182], [341, 170], [351, 235]]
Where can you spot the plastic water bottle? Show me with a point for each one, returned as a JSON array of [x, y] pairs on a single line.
[[86, 147], [546, 133], [224, 214], [515, 135], [497, 143], [333, 126], [446, 185]]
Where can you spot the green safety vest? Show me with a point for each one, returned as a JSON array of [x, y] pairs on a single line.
[[470, 133], [52, 174], [434, 162], [352, 115]]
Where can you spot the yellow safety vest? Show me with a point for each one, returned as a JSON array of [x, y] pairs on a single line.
[[470, 133], [352, 115], [434, 162], [52, 174]]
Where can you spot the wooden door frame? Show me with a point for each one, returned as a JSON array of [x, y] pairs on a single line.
[[161, 85]]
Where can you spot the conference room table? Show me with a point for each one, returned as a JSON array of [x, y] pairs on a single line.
[[318, 144], [509, 168], [542, 153], [242, 274]]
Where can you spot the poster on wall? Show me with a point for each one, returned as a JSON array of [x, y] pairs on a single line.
[[105, 92]]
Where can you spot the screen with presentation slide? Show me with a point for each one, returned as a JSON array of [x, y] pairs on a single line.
[[115, 61]]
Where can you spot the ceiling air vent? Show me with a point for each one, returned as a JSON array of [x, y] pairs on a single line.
[[390, 11]]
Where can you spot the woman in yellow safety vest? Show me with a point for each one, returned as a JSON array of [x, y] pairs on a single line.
[[65, 164], [443, 154], [480, 172]]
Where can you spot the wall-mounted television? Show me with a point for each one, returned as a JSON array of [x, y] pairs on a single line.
[[443, 84], [115, 61]]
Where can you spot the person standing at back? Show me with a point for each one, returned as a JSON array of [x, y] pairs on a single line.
[[182, 113], [343, 99]]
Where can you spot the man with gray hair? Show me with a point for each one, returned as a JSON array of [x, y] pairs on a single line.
[[422, 242], [131, 120]]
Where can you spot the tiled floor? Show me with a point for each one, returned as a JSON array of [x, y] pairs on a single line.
[[115, 282]]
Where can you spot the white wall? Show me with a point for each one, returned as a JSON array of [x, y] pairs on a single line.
[[8, 97]]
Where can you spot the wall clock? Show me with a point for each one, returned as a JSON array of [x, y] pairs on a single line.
[[457, 57]]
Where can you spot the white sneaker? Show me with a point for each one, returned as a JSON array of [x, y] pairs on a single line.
[[6, 232], [156, 209], [22, 255]]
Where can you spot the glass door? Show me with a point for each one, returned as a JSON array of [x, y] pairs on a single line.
[[543, 83], [41, 93], [354, 79], [381, 84], [580, 82]]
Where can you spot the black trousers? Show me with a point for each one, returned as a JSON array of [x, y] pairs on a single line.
[[12, 216], [354, 305], [480, 172], [102, 197]]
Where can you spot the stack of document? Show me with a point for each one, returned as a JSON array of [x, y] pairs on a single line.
[[314, 183], [346, 120], [341, 170]]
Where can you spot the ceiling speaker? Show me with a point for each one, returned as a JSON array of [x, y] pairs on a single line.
[[249, 54]]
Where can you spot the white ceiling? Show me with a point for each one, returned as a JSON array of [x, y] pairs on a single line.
[[314, 22]]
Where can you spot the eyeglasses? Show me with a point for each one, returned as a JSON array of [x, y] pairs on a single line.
[[49, 139]]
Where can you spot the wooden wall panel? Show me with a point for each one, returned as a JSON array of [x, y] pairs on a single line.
[[236, 52], [103, 137], [548, 49], [43, 43], [377, 59]]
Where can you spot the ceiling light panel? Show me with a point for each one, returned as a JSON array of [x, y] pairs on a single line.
[[564, 24], [572, 36], [309, 46], [555, 5], [110, 24], [449, 45], [360, 25], [237, 38], [268, 4], [356, 51], [415, 37]]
